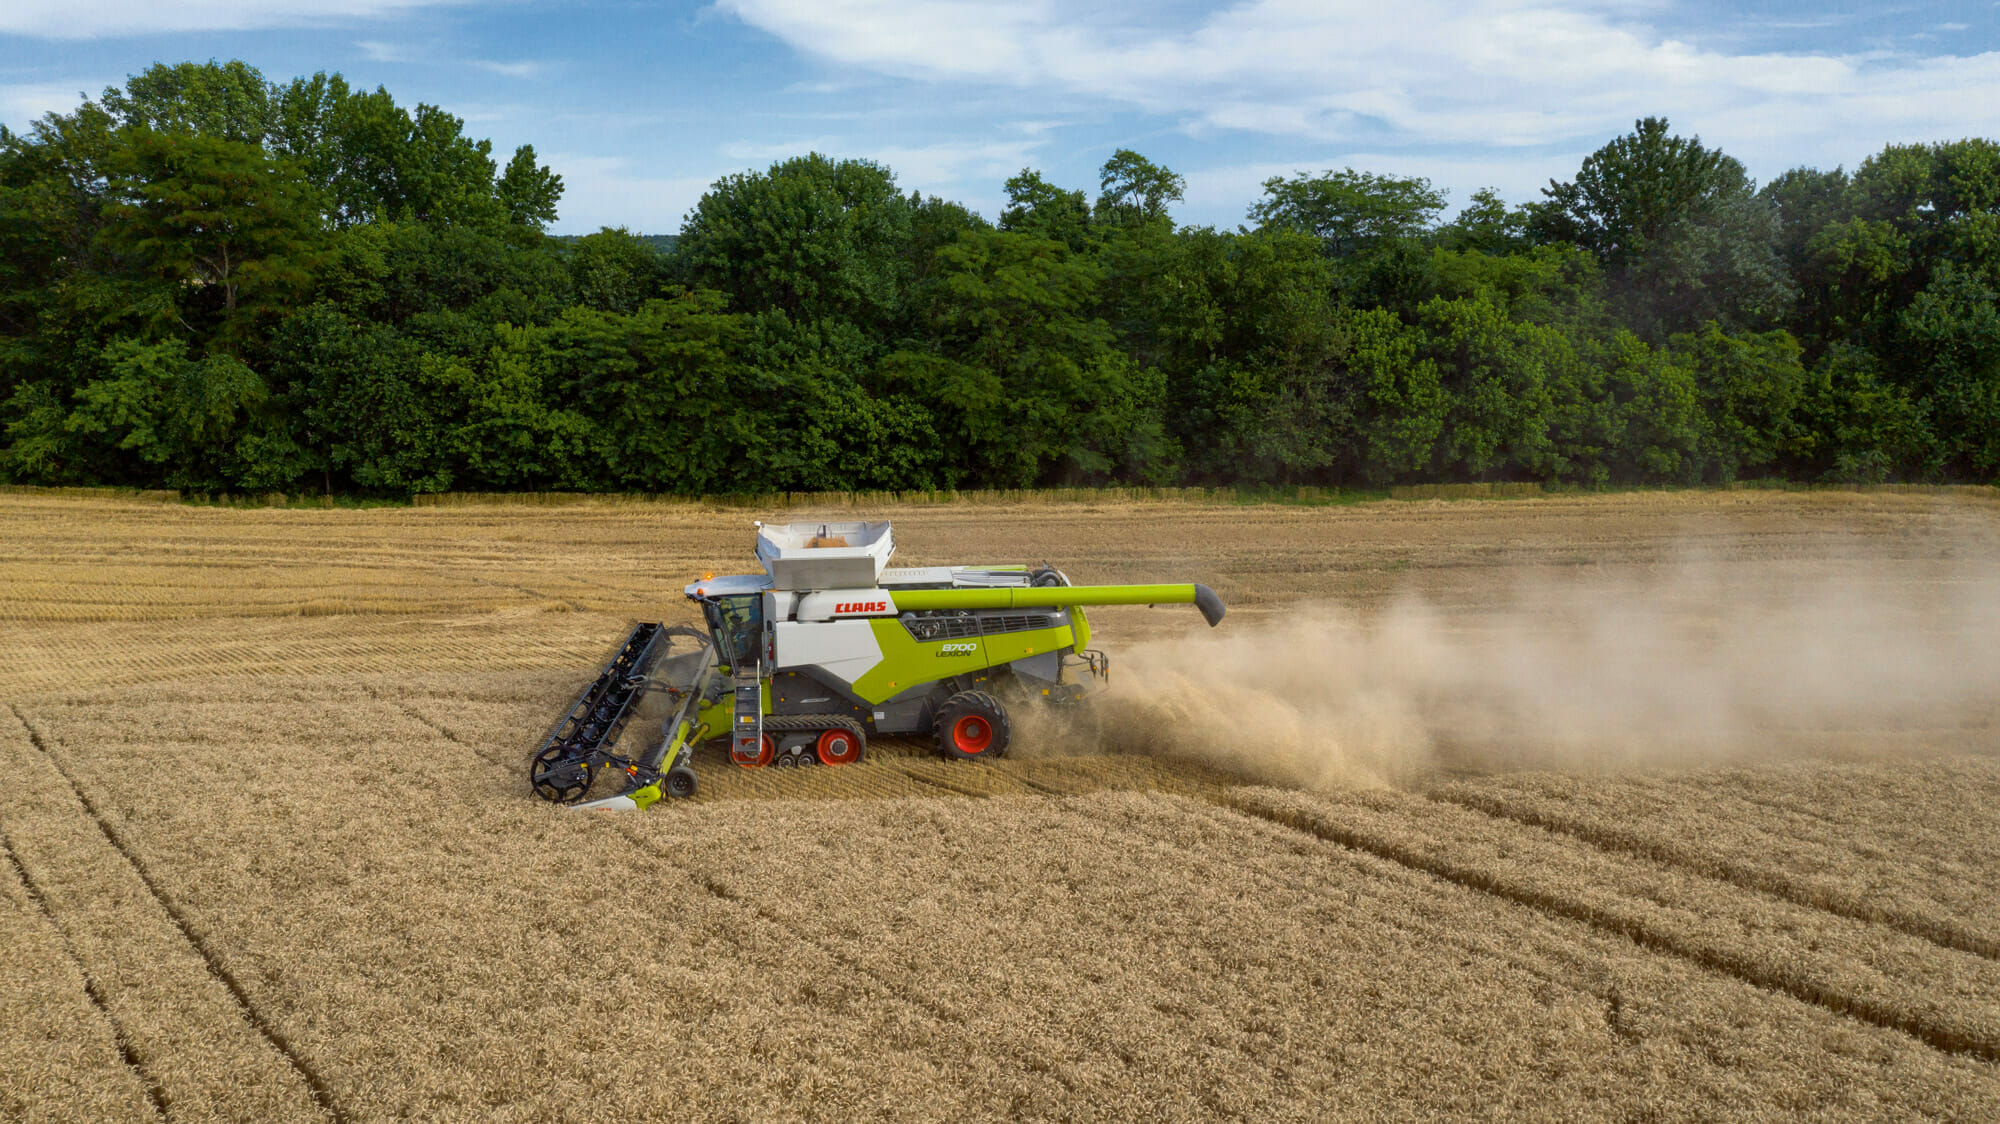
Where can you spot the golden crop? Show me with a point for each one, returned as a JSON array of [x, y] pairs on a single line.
[[269, 855]]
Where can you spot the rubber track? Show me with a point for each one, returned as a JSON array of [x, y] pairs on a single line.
[[216, 967], [1768, 882], [154, 1092], [1859, 1008]]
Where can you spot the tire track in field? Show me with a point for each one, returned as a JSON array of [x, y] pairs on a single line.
[[941, 785], [437, 727], [216, 968], [844, 958], [1744, 969], [1743, 876], [891, 988], [154, 1092]]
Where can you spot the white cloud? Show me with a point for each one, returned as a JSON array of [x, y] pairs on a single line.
[[94, 19], [21, 104], [512, 69], [377, 51], [758, 154], [1485, 73], [600, 191], [934, 167]]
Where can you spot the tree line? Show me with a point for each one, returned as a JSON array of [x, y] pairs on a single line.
[[218, 283]]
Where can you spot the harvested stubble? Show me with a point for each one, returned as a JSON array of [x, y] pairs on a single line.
[[438, 952], [62, 1057], [318, 857], [1944, 997], [186, 1033], [1913, 845]]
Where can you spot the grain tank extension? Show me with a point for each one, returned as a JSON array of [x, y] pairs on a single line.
[[802, 664]]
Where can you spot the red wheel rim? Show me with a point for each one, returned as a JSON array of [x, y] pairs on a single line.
[[766, 749], [972, 734], [838, 747]]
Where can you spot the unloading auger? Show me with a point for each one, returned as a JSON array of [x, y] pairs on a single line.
[[802, 663]]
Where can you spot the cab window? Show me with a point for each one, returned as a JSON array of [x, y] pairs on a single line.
[[737, 624]]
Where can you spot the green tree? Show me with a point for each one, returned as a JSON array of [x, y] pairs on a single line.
[[528, 191], [1949, 340], [1487, 225], [1037, 207], [373, 412], [225, 101], [1495, 374], [1866, 429], [1751, 387], [192, 423], [1626, 411], [654, 395], [213, 214], [615, 271], [1683, 235], [1133, 189], [1348, 211], [1028, 386], [811, 237]]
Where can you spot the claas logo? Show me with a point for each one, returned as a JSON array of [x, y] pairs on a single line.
[[862, 607]]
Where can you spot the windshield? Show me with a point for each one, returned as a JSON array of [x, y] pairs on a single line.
[[737, 623]]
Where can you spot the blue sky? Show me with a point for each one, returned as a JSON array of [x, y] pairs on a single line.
[[641, 105]]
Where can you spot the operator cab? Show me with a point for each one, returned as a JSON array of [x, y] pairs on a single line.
[[733, 608]]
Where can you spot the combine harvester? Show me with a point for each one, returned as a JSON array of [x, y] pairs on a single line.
[[803, 662]]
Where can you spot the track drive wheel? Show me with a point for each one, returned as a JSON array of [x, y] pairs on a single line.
[[839, 746], [972, 726], [766, 749]]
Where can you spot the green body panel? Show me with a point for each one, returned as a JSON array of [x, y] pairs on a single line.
[[909, 662], [717, 716], [1081, 624], [720, 715]]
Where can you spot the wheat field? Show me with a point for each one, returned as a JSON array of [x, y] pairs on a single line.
[[1641, 807]]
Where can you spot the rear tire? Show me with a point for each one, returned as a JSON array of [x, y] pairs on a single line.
[[972, 726]]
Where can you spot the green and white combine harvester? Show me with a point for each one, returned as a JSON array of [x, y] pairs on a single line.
[[802, 663]]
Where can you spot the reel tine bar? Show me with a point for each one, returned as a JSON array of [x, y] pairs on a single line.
[[567, 760]]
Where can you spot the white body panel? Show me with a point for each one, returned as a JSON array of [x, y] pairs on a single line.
[[788, 553], [728, 585], [959, 577], [845, 648], [845, 604]]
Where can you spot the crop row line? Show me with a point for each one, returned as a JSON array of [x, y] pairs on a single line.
[[271, 1034], [154, 1092], [1937, 931], [762, 913], [1745, 969]]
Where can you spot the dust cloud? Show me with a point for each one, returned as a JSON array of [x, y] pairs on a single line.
[[1693, 663]]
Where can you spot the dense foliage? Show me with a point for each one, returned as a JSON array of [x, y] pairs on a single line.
[[213, 282]]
